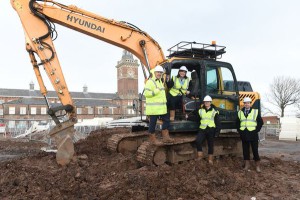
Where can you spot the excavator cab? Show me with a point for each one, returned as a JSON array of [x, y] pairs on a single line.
[[208, 77]]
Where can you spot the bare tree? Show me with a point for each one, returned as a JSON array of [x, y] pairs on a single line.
[[285, 91]]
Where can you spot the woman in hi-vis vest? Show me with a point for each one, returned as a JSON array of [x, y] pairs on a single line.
[[178, 86], [209, 128]]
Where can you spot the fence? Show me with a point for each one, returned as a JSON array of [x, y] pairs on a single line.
[[41, 134], [269, 130]]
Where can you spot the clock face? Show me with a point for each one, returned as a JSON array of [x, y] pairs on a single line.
[[131, 73]]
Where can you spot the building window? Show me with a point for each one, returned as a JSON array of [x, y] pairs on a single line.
[[33, 110], [12, 110], [22, 110], [79, 111], [111, 111], [43, 111], [100, 111], [90, 110], [1, 111]]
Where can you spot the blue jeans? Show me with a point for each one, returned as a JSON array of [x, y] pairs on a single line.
[[153, 119]]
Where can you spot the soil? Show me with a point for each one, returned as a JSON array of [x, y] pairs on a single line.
[[97, 173]]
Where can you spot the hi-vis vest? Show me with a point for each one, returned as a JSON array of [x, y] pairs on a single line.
[[249, 122], [175, 90], [207, 118], [156, 102]]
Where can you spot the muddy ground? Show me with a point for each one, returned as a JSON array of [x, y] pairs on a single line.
[[97, 173]]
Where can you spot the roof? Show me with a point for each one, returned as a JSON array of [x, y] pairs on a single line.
[[52, 94], [77, 102]]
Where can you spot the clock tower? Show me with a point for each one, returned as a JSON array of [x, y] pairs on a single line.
[[127, 76]]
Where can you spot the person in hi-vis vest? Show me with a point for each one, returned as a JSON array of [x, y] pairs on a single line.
[[209, 128], [249, 123], [178, 86], [156, 105]]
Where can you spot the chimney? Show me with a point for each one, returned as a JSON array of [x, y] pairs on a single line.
[[31, 86], [85, 89]]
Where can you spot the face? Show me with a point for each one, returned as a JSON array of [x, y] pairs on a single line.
[[207, 104], [247, 105], [158, 75], [182, 73]]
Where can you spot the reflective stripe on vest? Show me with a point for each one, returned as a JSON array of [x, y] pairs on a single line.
[[207, 118], [177, 87], [249, 122]]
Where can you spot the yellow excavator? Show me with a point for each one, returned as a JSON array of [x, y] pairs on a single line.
[[211, 77]]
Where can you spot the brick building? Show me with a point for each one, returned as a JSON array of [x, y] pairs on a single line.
[[20, 107], [271, 120]]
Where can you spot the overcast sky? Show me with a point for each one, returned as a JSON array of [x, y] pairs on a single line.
[[262, 39]]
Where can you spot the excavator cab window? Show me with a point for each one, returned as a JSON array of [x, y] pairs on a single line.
[[212, 80]]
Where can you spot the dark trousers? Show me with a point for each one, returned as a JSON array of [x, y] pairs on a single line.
[[209, 135], [246, 149], [153, 119], [174, 102]]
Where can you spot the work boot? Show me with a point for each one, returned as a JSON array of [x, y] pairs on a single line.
[[166, 136], [152, 139], [257, 164], [172, 115], [247, 165], [210, 159], [199, 155]]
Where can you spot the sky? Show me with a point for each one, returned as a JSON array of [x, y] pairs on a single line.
[[261, 38]]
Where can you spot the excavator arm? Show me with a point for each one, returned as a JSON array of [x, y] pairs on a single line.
[[38, 19]]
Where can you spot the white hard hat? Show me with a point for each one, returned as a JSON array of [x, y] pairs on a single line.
[[247, 99], [207, 98], [159, 68], [183, 68]]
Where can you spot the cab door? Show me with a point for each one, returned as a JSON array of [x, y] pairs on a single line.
[[221, 85]]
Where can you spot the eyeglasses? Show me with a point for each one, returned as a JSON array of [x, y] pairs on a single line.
[[182, 71]]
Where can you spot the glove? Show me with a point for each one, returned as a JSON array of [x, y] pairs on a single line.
[[156, 91]]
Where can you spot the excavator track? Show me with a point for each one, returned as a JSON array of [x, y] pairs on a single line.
[[150, 154], [183, 149], [126, 143]]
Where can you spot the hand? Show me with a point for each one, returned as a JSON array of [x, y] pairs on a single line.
[[217, 133], [187, 92], [167, 78]]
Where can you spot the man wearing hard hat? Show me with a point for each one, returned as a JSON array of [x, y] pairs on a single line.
[[178, 87], [249, 123], [156, 104], [209, 127]]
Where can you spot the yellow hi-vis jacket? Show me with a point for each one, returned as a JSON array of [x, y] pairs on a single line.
[[250, 122], [156, 102], [207, 118], [175, 90]]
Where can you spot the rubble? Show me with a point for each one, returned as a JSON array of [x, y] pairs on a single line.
[[97, 173]]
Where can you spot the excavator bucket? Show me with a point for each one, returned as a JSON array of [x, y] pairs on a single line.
[[63, 134]]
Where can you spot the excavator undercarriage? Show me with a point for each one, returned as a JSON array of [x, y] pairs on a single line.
[[182, 149]]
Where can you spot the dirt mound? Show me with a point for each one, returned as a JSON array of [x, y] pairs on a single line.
[[97, 173]]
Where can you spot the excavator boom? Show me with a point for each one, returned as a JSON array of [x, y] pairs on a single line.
[[38, 18]]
